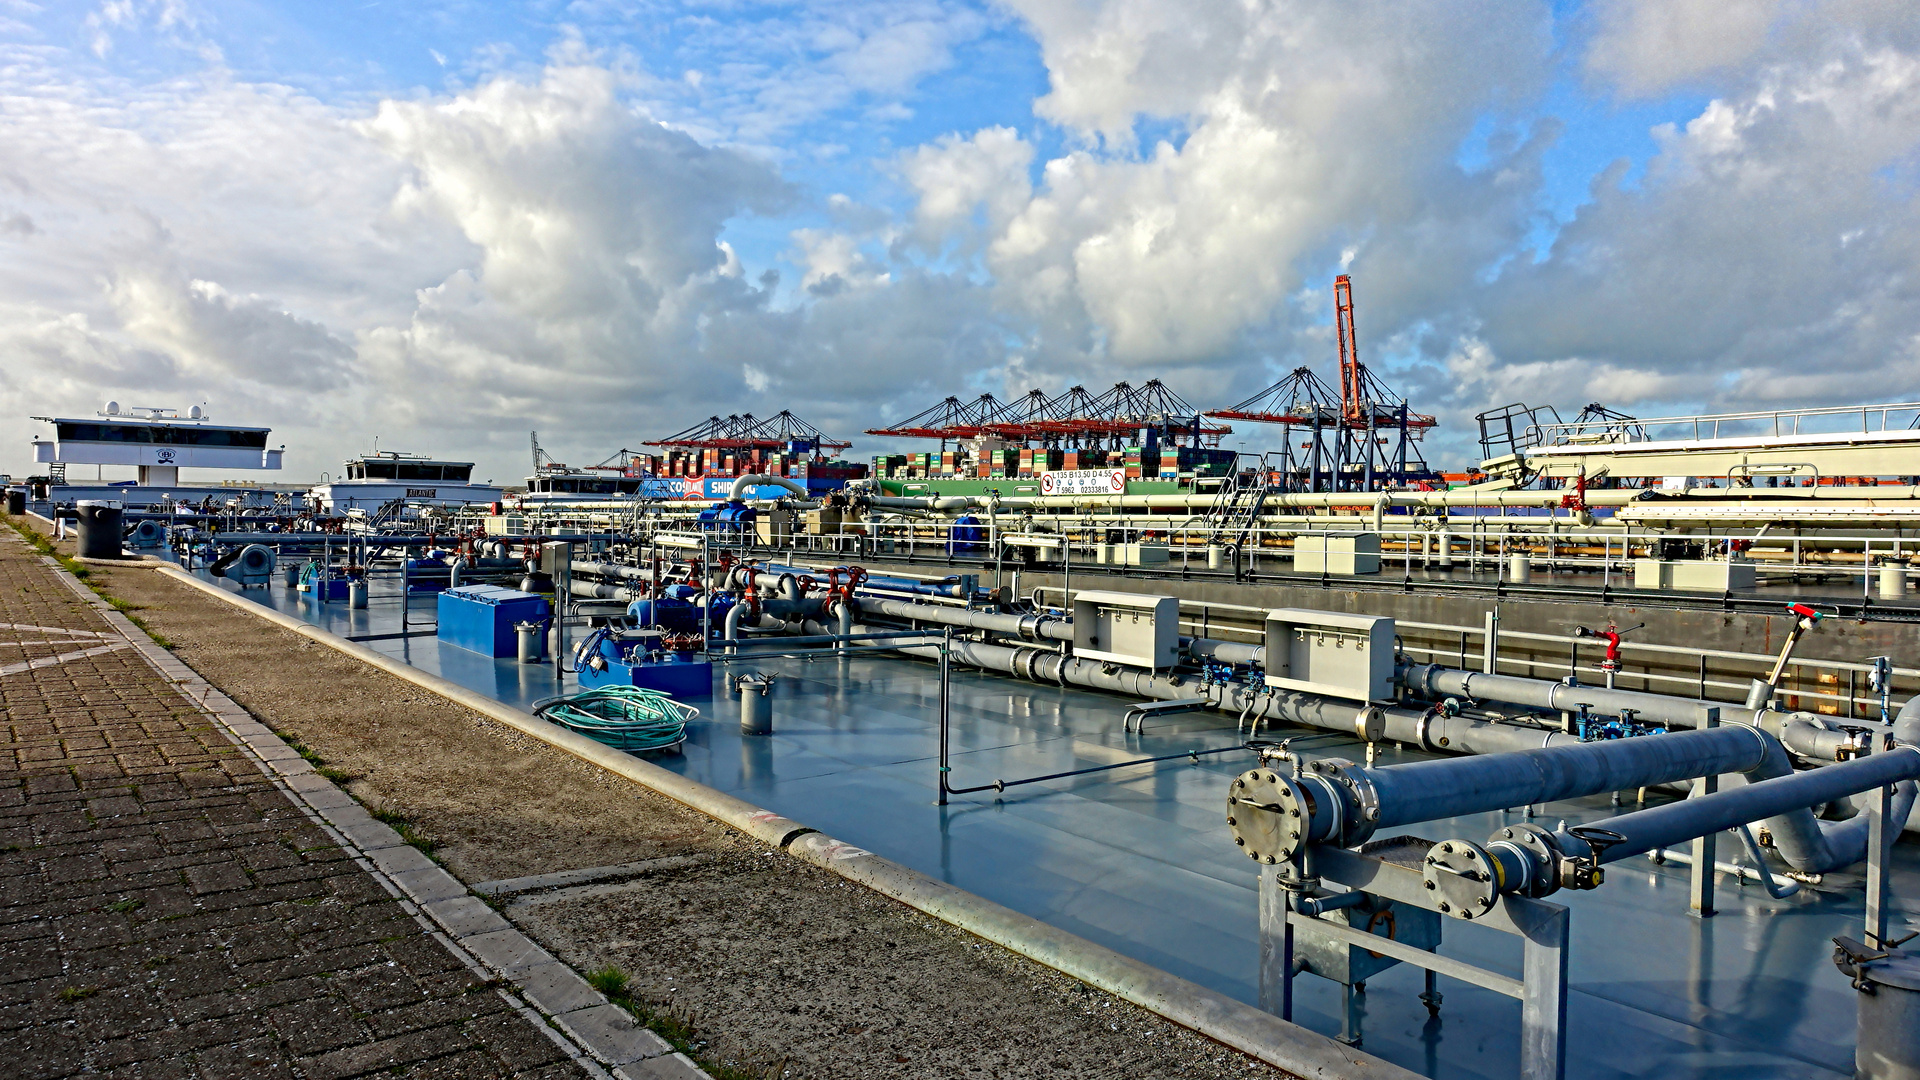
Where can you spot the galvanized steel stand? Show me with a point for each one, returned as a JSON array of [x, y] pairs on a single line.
[[1542, 927], [1879, 810], [1700, 883]]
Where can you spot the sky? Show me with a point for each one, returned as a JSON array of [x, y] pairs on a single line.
[[443, 225]]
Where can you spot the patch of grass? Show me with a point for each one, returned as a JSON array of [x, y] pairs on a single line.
[[158, 962], [338, 776], [615, 985], [158, 638], [610, 981], [409, 834], [71, 994], [131, 903]]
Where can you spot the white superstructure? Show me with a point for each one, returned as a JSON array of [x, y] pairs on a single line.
[[160, 442], [374, 480]]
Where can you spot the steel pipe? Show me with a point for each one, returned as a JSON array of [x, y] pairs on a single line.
[[1226, 652], [1425, 790], [1435, 680], [1676, 823], [1029, 627]]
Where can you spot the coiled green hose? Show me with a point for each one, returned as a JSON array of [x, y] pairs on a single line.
[[626, 718]]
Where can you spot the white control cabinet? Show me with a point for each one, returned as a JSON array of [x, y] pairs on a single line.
[[1126, 628], [1330, 653]]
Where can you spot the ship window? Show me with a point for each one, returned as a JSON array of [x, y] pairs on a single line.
[[356, 472], [189, 436], [102, 433], [457, 474], [166, 436], [379, 470], [412, 471]]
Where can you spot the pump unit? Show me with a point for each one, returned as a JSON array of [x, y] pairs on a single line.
[[250, 567], [1327, 652], [1126, 628]]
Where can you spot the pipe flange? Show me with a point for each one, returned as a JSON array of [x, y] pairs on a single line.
[[1424, 728], [1359, 803], [1031, 659], [1462, 879], [1269, 815], [1538, 854]]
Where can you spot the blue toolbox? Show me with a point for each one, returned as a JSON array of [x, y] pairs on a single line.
[[636, 658], [482, 617]]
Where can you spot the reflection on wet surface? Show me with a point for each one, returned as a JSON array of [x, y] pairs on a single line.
[[1141, 860]]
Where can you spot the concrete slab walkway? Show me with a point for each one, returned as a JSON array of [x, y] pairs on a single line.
[[180, 895]]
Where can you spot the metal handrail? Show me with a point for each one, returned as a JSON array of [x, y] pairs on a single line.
[[1702, 424], [1559, 639]]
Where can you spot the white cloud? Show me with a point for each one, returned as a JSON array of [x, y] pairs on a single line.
[[1309, 127], [553, 247], [954, 176], [1771, 243], [1645, 46]]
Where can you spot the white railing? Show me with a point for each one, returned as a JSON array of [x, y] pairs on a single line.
[[1776, 423]]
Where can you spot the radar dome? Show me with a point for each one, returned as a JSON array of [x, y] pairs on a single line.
[[194, 413], [113, 408]]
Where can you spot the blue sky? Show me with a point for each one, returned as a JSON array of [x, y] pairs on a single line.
[[564, 214], [356, 54]]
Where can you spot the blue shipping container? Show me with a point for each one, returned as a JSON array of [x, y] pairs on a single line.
[[481, 617]]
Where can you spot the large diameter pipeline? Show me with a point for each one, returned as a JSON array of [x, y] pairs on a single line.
[[1226, 652], [1805, 842], [1426, 790], [1807, 734], [1428, 730], [1677, 823], [612, 570]]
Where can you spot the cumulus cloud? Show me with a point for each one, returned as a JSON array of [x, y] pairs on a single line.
[[1308, 127], [1648, 45], [599, 268], [1767, 253], [555, 247], [215, 336], [954, 177]]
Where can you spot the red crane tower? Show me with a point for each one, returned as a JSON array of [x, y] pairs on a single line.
[[1351, 373], [1362, 442]]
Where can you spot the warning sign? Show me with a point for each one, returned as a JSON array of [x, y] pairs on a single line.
[[1084, 482]]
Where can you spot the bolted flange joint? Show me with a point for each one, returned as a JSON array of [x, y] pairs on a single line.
[[1269, 814], [1463, 878]]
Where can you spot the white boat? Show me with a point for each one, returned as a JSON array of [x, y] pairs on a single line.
[[371, 481]]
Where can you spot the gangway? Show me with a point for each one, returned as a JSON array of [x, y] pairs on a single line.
[[1807, 443]]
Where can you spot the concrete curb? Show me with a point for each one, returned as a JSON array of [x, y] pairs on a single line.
[[1256, 1033], [599, 1036]]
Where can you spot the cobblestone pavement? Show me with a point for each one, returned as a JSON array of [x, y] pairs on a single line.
[[167, 911]]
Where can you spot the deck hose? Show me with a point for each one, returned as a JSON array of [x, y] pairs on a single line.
[[626, 718]]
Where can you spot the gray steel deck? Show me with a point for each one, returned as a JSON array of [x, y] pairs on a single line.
[[1141, 860]]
